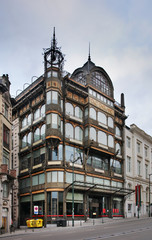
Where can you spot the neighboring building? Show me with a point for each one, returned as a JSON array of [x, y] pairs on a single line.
[[69, 126], [7, 174], [138, 160]]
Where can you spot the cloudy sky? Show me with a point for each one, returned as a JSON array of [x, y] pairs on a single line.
[[119, 31]]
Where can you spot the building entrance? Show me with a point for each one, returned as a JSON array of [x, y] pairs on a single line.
[[98, 206]]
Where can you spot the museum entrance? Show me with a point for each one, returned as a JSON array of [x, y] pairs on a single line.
[[98, 206]]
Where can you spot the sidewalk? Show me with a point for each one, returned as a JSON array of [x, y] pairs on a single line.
[[77, 224]]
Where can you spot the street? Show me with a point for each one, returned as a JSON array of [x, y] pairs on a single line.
[[126, 229]]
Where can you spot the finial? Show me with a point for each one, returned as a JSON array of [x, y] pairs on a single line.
[[89, 58], [54, 41]]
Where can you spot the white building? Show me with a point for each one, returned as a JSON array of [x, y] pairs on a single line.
[[138, 166]]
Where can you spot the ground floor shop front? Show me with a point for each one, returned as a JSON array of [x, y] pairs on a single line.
[[52, 205]]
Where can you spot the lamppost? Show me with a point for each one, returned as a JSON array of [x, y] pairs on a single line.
[[73, 161], [149, 193]]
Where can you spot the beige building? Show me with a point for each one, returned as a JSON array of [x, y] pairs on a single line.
[[7, 174], [138, 159]]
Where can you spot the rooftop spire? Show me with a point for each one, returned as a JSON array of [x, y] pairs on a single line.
[[89, 58], [54, 41]]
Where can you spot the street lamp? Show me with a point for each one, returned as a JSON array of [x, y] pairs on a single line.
[[73, 161], [149, 193]]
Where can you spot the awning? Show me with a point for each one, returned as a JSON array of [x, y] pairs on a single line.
[[93, 187]]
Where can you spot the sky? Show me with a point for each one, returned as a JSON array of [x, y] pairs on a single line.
[[120, 36]]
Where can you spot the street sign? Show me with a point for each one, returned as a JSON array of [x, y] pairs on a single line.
[[36, 208]]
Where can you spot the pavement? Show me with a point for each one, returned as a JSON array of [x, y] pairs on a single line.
[[77, 224]]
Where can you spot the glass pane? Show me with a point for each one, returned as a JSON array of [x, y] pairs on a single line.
[[41, 178], [69, 130], [68, 177], [37, 135], [35, 180], [43, 111], [60, 152], [78, 112], [29, 119], [54, 97], [54, 176], [93, 134], [49, 177], [60, 176], [110, 141], [110, 122], [93, 113], [54, 120], [24, 121], [43, 132], [102, 138], [48, 97], [69, 109], [37, 114], [29, 138], [24, 141], [102, 118], [78, 133]]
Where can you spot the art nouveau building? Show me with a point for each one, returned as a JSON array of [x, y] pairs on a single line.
[[70, 130], [138, 159], [7, 174]]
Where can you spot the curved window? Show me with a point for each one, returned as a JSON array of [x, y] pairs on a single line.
[[102, 118], [99, 81], [78, 133], [53, 97], [93, 134], [37, 135], [26, 121], [69, 109], [118, 132], [53, 120], [110, 122], [69, 130], [78, 112], [93, 113], [110, 141], [102, 138], [118, 148]]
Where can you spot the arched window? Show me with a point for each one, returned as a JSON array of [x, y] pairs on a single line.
[[37, 135], [118, 132], [102, 138], [69, 130], [43, 131], [118, 148], [37, 114], [110, 141], [69, 109], [93, 113], [102, 118], [93, 134], [78, 112], [78, 133], [110, 122]]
